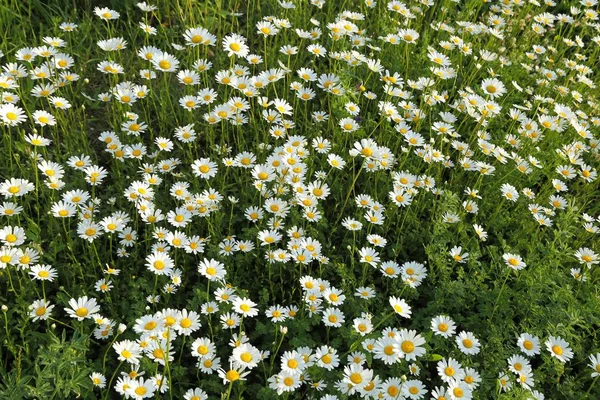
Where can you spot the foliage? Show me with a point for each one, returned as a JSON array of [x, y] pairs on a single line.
[[469, 134]]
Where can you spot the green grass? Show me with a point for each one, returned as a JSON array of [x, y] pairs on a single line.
[[555, 295]]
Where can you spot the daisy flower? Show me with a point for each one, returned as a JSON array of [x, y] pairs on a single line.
[[12, 235], [587, 256], [16, 187], [139, 389], [195, 394], [188, 323], [518, 364], [467, 343], [165, 62], [595, 364], [333, 317], [509, 192], [409, 344], [514, 261], [246, 356], [245, 307], [212, 269], [106, 13], [369, 255], [82, 308], [450, 370], [493, 87], [43, 118], [204, 168], [443, 326], [98, 380], [40, 309], [400, 307], [529, 344], [232, 375], [10, 209], [459, 390], [559, 348], [12, 115], [235, 45], [364, 292], [413, 389], [43, 272], [458, 256], [160, 263]]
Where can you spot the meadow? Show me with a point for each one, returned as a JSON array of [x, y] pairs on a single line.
[[306, 199]]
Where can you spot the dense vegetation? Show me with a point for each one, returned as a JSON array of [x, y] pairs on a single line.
[[303, 199]]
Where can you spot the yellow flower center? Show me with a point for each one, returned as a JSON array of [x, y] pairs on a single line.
[[140, 391], [393, 391], [158, 353], [232, 375], [407, 346], [356, 378], [186, 323], [81, 312], [150, 325]]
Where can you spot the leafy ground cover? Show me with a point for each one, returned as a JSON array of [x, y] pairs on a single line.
[[303, 199]]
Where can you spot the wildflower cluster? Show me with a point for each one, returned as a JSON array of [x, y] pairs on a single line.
[[369, 199]]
